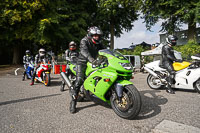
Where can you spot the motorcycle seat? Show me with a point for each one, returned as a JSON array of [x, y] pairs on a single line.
[[179, 66]]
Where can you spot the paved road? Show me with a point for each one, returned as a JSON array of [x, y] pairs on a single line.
[[37, 108]]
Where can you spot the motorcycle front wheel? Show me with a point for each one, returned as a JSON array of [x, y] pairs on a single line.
[[47, 79], [130, 104]]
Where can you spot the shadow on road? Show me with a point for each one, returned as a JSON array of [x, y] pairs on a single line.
[[185, 90], [26, 99], [55, 78], [151, 104], [55, 83], [95, 103], [88, 106]]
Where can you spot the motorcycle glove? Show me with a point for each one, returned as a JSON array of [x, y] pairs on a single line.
[[97, 62]]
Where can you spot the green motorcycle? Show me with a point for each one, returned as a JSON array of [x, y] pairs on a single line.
[[110, 83]]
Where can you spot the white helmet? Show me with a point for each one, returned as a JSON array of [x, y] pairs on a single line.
[[42, 52]]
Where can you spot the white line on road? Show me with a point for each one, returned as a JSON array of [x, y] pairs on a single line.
[[167, 126], [16, 71]]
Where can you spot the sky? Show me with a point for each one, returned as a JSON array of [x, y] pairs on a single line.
[[139, 34]]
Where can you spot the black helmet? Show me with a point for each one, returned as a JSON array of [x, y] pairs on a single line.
[[28, 52], [72, 45], [92, 31], [171, 39]]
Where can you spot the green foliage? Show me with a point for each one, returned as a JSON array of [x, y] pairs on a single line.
[[139, 49], [187, 50], [52, 24], [121, 12], [114, 16], [197, 14], [173, 12]]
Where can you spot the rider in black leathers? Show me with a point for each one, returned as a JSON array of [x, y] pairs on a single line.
[[167, 60], [71, 53], [89, 47], [28, 58]]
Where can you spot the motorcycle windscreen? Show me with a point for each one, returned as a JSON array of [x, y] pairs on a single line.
[[179, 66]]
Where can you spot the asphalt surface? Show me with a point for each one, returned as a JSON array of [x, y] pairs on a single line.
[[41, 109]]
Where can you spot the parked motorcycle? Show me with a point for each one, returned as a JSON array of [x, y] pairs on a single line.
[[109, 83], [187, 75], [43, 73]]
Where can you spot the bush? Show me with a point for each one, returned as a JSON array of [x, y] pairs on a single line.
[[187, 50]]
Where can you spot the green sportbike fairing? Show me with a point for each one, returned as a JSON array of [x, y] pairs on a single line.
[[110, 83]]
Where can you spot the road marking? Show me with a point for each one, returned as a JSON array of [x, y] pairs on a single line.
[[167, 126], [16, 71]]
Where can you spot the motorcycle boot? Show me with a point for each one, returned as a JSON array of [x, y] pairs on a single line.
[[23, 78], [169, 89], [73, 102], [72, 107], [32, 83]]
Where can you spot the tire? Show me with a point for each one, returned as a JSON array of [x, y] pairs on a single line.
[[197, 86], [47, 79], [152, 84], [62, 86], [131, 105]]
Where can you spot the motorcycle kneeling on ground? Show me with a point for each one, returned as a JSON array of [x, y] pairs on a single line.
[[187, 75], [109, 83], [43, 73]]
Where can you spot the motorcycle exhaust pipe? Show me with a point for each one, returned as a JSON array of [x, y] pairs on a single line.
[[151, 72], [66, 79]]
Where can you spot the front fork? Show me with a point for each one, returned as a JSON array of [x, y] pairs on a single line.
[[119, 91]]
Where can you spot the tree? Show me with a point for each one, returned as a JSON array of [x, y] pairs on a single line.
[[16, 22], [66, 21], [174, 13], [50, 24], [116, 15]]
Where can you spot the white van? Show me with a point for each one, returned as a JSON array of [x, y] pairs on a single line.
[[134, 60]]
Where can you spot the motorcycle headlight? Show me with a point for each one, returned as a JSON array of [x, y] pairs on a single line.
[[127, 66]]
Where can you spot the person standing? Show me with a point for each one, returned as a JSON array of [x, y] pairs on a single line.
[[167, 60], [27, 59]]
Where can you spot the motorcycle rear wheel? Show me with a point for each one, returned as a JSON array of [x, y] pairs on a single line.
[[151, 81], [131, 103], [197, 85], [47, 79]]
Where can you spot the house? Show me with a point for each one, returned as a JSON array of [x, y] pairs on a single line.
[[143, 44]]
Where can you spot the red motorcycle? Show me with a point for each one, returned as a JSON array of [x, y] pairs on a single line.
[[43, 73]]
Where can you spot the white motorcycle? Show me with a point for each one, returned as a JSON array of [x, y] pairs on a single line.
[[187, 75]]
